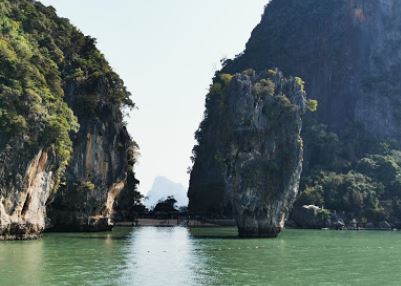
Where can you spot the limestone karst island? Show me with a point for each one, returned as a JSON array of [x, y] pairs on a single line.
[[200, 143]]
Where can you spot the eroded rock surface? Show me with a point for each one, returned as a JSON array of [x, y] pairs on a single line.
[[263, 155], [347, 52], [65, 153], [255, 147], [24, 194], [96, 176]]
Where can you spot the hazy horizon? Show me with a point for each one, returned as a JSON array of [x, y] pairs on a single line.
[[167, 53]]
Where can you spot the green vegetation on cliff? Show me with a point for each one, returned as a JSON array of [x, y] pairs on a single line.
[[31, 94], [351, 142], [40, 56], [273, 93]]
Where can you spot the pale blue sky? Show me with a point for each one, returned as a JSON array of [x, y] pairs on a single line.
[[167, 52]]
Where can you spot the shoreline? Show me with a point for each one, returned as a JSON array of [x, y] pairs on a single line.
[[147, 222], [168, 223]]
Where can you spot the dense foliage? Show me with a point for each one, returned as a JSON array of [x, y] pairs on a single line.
[[166, 207], [362, 179], [42, 57], [31, 94]]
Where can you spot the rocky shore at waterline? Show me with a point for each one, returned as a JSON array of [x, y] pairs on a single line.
[[314, 217], [66, 158], [231, 224]]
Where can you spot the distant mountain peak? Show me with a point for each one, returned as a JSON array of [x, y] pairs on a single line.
[[162, 188]]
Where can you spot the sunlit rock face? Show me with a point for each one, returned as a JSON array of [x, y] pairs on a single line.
[[65, 153], [25, 186], [102, 160], [263, 152]]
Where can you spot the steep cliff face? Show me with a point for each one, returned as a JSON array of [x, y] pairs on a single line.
[[207, 191], [262, 157], [97, 174], [251, 136], [61, 124], [348, 53], [24, 194]]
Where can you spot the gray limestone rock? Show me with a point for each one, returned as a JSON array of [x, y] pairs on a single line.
[[263, 150], [27, 179], [103, 157]]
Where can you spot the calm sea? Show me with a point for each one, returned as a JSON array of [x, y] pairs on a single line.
[[180, 256]]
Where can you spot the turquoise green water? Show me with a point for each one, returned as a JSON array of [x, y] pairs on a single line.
[[178, 256]]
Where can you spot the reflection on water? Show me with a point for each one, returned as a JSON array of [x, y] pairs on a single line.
[[178, 256], [164, 256], [144, 256]]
